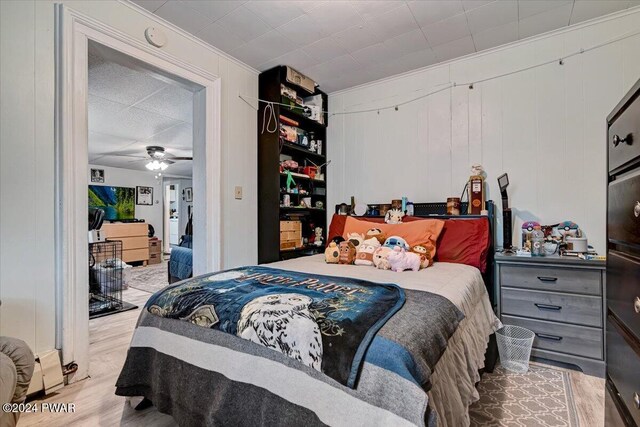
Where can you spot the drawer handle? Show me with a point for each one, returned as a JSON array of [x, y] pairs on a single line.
[[636, 209], [549, 337], [547, 306], [636, 400], [617, 140], [547, 279], [636, 305]]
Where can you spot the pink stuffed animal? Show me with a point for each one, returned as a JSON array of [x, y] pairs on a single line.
[[401, 260]]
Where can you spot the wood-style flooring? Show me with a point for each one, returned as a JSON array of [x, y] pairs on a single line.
[[97, 405]]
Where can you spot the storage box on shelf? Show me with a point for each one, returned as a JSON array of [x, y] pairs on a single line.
[[562, 301], [299, 135]]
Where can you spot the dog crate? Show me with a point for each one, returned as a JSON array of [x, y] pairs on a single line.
[[105, 278]]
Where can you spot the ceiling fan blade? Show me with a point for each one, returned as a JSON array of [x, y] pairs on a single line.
[[181, 158]]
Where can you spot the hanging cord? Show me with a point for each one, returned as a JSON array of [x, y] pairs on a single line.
[[268, 109], [470, 85]]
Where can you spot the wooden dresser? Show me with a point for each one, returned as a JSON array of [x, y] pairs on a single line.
[[623, 262], [562, 301], [134, 237]]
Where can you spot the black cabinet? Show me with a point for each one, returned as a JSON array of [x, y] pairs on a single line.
[[623, 262], [286, 130]]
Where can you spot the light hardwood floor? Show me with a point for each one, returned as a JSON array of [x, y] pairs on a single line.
[[97, 405]]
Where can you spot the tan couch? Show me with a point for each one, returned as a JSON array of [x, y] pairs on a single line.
[[16, 368]]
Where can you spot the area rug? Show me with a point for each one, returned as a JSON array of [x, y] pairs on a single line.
[[540, 397], [151, 278]]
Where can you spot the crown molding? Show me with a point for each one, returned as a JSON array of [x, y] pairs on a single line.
[[563, 30], [188, 35]]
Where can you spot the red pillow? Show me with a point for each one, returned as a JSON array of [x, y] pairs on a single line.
[[465, 241], [462, 241]]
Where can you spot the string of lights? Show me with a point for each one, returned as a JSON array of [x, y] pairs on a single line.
[[396, 106]]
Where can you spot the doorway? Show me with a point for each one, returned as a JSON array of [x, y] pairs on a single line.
[[74, 33]]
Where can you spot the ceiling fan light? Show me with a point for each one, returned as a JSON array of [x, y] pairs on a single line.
[[163, 165], [149, 166]]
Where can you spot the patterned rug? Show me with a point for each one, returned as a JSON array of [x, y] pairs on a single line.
[[151, 278], [540, 397]]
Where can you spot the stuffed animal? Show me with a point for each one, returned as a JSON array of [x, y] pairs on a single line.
[[393, 216], [332, 253], [355, 238], [401, 260], [337, 240], [424, 253], [380, 260], [364, 253], [319, 239], [347, 252], [377, 234], [394, 241]]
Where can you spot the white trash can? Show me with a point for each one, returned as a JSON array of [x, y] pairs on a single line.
[[514, 346]]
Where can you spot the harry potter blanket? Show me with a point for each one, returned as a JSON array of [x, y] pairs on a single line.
[[325, 322], [210, 376]]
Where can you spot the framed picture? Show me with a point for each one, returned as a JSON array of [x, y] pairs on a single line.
[[97, 175], [188, 194], [144, 195]]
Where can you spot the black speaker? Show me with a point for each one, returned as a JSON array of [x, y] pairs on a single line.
[[507, 236]]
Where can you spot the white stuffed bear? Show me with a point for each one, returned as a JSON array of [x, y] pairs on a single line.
[[364, 253], [394, 216]]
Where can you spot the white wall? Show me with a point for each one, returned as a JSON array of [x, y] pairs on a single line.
[[119, 177], [545, 127], [27, 156]]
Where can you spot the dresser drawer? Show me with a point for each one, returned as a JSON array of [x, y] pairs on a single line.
[[555, 279], [627, 127], [557, 307], [623, 289], [624, 209], [570, 339], [623, 367]]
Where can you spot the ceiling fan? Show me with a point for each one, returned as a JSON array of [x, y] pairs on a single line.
[[159, 159]]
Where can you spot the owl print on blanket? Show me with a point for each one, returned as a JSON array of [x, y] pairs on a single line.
[[283, 322]]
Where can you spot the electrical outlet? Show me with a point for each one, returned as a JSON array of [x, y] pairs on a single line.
[[238, 193]]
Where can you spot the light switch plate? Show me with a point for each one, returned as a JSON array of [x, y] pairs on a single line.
[[238, 193]]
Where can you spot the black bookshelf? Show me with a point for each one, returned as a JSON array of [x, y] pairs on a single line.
[[270, 179]]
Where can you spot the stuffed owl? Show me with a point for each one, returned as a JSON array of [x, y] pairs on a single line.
[[364, 253]]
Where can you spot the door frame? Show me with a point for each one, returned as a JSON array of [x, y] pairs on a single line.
[[74, 31]]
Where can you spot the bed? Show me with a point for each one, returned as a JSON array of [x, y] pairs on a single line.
[[176, 364]]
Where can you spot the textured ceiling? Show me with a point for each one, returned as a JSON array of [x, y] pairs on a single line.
[[345, 43], [129, 110]]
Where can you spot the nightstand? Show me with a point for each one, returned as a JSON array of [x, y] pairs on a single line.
[[562, 300]]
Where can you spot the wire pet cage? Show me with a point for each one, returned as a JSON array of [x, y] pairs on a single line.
[[105, 278]]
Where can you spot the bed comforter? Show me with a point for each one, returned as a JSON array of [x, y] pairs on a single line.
[[208, 377]]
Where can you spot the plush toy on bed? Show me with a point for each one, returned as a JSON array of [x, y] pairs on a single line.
[[423, 252], [364, 253], [347, 252], [355, 238], [394, 241], [377, 234], [332, 253], [380, 260], [401, 260], [393, 216]]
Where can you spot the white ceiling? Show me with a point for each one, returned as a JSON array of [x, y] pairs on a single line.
[[345, 43], [129, 110]]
